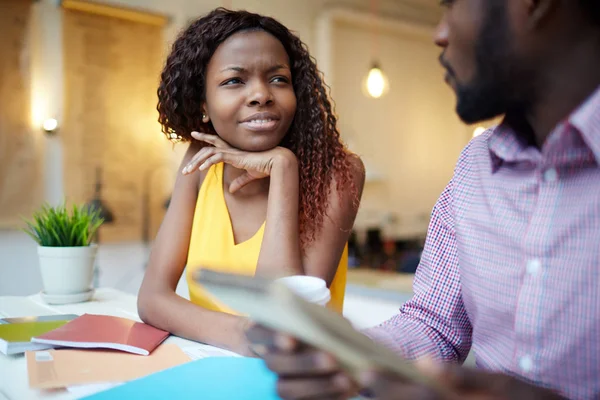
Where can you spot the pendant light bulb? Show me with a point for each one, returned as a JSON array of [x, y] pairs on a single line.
[[376, 82]]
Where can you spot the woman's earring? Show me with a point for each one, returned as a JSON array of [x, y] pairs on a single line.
[[204, 118]]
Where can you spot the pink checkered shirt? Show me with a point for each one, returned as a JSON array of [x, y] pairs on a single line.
[[511, 265]]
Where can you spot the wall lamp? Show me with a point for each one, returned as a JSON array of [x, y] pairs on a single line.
[[50, 126]]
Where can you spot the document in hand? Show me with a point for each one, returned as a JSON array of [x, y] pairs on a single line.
[[275, 306], [105, 331]]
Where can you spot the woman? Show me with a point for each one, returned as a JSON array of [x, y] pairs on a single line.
[[266, 186]]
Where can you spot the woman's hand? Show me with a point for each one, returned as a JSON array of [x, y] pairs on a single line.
[[257, 165]]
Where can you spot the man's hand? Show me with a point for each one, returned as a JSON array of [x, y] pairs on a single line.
[[461, 383], [308, 373], [304, 372]]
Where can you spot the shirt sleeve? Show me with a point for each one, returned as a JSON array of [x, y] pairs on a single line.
[[434, 322]]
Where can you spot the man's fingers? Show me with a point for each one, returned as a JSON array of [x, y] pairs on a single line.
[[336, 386], [259, 334], [390, 387], [269, 339], [471, 380], [429, 366], [309, 362], [492, 385]]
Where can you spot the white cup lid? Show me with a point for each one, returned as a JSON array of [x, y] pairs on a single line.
[[311, 288]]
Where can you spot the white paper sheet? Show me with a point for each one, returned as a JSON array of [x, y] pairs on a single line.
[[80, 391], [202, 351]]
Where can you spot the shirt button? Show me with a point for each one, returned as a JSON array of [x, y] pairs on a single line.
[[550, 175], [534, 266], [526, 363]]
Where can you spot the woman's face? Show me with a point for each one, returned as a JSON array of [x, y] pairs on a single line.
[[250, 99]]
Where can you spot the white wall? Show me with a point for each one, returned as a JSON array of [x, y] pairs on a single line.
[[411, 136]]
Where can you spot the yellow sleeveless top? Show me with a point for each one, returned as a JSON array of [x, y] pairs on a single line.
[[212, 245]]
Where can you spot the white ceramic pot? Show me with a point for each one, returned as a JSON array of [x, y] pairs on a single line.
[[67, 270]]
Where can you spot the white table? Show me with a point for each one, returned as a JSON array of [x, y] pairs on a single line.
[[361, 307], [13, 369]]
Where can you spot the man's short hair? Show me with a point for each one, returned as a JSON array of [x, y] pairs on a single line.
[[591, 8]]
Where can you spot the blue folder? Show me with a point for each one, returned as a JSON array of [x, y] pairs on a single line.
[[213, 378]]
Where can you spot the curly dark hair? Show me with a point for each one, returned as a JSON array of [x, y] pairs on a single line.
[[313, 135]]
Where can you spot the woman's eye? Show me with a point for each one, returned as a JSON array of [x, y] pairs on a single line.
[[232, 81], [280, 79]]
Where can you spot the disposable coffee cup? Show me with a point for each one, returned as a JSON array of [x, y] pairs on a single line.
[[310, 288]]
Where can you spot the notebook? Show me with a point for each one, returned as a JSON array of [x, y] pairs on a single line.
[[61, 368], [107, 332], [16, 333], [213, 378]]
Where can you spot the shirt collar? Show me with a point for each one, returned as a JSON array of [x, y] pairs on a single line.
[[506, 146], [586, 119]]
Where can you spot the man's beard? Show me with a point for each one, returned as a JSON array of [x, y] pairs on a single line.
[[490, 93]]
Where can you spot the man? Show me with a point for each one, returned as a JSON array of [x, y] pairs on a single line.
[[511, 267]]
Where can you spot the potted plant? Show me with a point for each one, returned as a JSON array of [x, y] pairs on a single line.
[[66, 252]]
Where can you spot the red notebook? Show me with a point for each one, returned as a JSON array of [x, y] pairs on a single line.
[[107, 332]]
